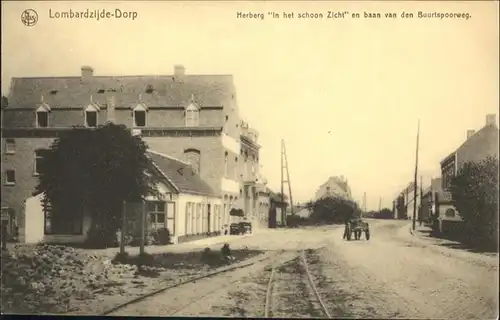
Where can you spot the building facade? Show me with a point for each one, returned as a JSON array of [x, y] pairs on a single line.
[[476, 147], [194, 118], [334, 187]]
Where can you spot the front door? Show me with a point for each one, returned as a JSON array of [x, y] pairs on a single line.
[[208, 218]]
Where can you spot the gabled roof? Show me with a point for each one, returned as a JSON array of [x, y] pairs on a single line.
[[72, 92], [180, 175], [477, 137]]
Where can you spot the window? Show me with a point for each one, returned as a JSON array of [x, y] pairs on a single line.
[[188, 218], [199, 217], [192, 156], [156, 212], [450, 213], [140, 116], [42, 118], [225, 164], [91, 116], [10, 146], [448, 172], [192, 116], [10, 177], [62, 224], [39, 158]]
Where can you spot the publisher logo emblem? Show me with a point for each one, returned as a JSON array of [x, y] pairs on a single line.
[[29, 17]]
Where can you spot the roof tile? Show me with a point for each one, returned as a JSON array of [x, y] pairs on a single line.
[[208, 90], [181, 175]]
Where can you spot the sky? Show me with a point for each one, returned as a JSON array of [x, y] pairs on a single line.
[[344, 94]]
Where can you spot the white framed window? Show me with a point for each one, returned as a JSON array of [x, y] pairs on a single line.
[[193, 218], [38, 163], [42, 117], [192, 116], [139, 113], [91, 116], [156, 213], [10, 146], [10, 177], [188, 218]]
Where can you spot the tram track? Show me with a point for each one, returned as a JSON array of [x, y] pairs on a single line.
[[279, 282], [195, 296]]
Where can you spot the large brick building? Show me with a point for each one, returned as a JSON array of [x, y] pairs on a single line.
[[194, 118]]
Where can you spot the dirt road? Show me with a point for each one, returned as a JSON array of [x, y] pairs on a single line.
[[393, 275], [396, 275]]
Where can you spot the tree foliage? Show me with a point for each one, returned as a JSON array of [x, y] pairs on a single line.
[[93, 172], [332, 210], [474, 192], [382, 214]]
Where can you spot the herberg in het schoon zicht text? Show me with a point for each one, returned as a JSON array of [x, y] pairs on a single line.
[[93, 14]]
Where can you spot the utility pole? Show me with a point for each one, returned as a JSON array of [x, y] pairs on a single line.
[[415, 178], [143, 227], [379, 204], [284, 166], [364, 202]]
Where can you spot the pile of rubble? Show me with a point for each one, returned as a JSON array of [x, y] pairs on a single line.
[[46, 278]]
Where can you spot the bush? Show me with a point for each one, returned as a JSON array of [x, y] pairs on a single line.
[[99, 238], [332, 210], [474, 192], [163, 236], [121, 258]]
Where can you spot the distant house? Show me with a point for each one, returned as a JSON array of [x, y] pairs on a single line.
[[404, 202], [477, 146], [427, 202], [334, 187]]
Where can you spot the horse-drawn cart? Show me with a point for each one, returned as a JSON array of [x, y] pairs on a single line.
[[356, 227]]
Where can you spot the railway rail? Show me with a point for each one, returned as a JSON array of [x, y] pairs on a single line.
[[275, 260], [271, 292]]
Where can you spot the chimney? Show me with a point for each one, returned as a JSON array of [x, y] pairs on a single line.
[[491, 119], [87, 73], [470, 133], [179, 70]]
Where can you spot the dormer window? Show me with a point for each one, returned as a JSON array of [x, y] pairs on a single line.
[[192, 116], [140, 116], [149, 89], [91, 116], [42, 117]]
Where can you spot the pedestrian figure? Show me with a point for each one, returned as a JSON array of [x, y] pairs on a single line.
[[346, 229]]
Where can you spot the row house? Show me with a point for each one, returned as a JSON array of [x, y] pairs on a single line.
[[193, 118], [404, 203], [476, 147]]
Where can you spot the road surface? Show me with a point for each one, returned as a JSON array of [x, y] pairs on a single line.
[[393, 275]]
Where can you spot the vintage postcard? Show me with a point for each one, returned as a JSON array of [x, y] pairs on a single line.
[[276, 159]]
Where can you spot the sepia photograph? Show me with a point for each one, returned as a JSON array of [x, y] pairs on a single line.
[[250, 159]]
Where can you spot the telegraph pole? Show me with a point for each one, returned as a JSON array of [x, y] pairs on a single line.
[[415, 179], [284, 166], [364, 202], [379, 204]]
